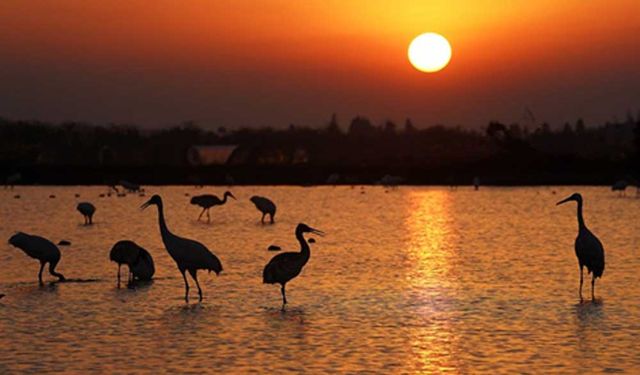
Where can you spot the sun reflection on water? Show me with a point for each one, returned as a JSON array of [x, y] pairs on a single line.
[[430, 288]]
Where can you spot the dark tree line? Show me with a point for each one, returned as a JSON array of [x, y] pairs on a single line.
[[499, 148]]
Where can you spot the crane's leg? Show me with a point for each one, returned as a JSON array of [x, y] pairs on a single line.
[[194, 274], [40, 274], [580, 291], [271, 216], [186, 287], [284, 296], [593, 287], [90, 219], [203, 210], [263, 215], [119, 275], [208, 216]]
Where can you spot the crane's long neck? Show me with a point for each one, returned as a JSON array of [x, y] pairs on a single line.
[[164, 231], [304, 246], [224, 199], [581, 225]]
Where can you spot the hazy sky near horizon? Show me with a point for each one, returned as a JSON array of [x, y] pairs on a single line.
[[275, 62]]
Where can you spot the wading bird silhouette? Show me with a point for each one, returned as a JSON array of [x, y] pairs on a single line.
[[189, 255], [41, 249], [206, 201], [87, 210], [265, 206], [588, 247], [284, 267], [138, 260]]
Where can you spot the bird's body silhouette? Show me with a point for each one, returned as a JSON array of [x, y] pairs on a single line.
[[41, 249], [284, 267], [264, 205], [588, 248], [206, 201], [138, 260], [620, 185], [87, 210], [189, 255]]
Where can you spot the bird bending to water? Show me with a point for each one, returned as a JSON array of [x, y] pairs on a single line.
[[284, 267], [206, 201], [41, 249], [87, 210], [588, 247], [138, 260], [265, 206], [189, 255]]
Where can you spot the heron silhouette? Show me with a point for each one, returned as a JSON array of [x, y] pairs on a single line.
[[189, 255], [138, 260], [285, 266], [206, 201], [264, 205], [41, 249], [588, 247], [87, 210]]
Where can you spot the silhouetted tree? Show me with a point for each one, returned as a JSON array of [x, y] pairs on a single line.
[[580, 128], [333, 127], [408, 127]]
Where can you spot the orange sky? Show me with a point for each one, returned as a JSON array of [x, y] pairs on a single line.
[[259, 62]]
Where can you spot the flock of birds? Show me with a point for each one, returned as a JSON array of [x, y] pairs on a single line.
[[191, 256]]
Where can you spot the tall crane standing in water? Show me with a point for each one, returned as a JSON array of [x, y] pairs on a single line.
[[284, 267], [589, 249], [264, 205], [189, 255]]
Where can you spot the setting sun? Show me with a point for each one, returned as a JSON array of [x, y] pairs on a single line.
[[429, 52]]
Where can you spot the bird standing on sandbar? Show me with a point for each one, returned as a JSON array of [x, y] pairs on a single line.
[[206, 201], [284, 267], [588, 247], [189, 255], [87, 210], [41, 249]]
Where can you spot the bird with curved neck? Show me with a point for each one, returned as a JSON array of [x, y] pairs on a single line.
[[588, 247], [206, 201], [41, 249], [284, 267], [189, 255]]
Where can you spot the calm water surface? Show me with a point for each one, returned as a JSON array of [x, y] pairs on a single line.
[[406, 281]]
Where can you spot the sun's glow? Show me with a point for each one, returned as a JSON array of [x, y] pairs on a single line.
[[429, 52]]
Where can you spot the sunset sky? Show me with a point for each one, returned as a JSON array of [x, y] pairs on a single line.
[[275, 62]]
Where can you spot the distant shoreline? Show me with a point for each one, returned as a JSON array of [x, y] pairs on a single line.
[[605, 174]]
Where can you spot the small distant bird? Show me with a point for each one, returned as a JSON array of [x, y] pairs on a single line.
[[206, 201], [265, 206], [588, 247], [284, 267], [189, 255], [620, 186], [41, 249], [138, 260], [64, 243], [87, 210]]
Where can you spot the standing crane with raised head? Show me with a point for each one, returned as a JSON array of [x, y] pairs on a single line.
[[264, 205], [87, 210], [41, 249], [189, 255], [588, 247], [206, 201], [286, 266]]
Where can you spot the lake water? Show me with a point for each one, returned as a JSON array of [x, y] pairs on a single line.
[[408, 280]]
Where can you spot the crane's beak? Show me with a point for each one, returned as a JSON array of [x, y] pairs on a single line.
[[318, 232], [564, 201], [231, 195], [145, 205]]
